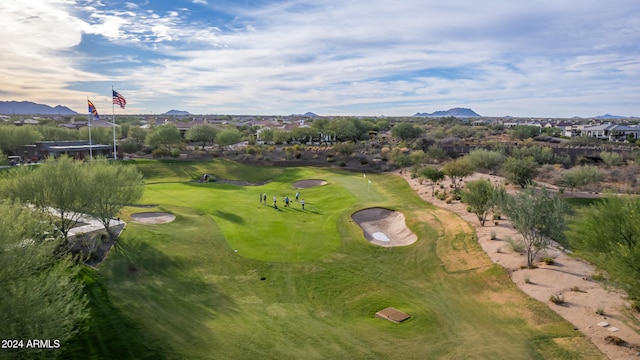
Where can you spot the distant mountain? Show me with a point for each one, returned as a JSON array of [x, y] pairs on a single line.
[[609, 116], [307, 114], [177, 113], [456, 112], [31, 108]]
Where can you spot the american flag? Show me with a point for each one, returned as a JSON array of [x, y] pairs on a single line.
[[119, 99], [93, 111]]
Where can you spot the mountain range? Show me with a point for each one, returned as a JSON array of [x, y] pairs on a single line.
[[455, 112], [31, 108]]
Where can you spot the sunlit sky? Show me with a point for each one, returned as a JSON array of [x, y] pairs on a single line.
[[539, 58]]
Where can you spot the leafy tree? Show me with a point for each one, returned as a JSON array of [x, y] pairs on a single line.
[[163, 135], [345, 149], [580, 176], [266, 135], [481, 197], [99, 135], [113, 186], [344, 129], [457, 170], [520, 171], [280, 136], [486, 160], [417, 157], [304, 134], [522, 132], [406, 131], [138, 133], [55, 133], [3, 158], [608, 233], [435, 152], [57, 184], [538, 215], [433, 174], [41, 292], [129, 146], [204, 133], [12, 137], [228, 136]]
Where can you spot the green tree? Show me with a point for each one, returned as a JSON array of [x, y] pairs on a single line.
[[486, 160], [481, 197], [112, 187], [266, 135], [433, 174], [228, 136], [608, 234], [417, 157], [457, 170], [580, 176], [344, 129], [406, 131], [204, 133], [280, 136], [538, 215], [520, 171], [522, 132], [345, 149], [12, 137], [42, 296], [163, 135], [57, 184], [138, 133]]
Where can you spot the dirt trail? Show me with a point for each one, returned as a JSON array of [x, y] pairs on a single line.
[[568, 276]]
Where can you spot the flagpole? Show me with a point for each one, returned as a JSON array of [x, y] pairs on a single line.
[[113, 108], [89, 122]]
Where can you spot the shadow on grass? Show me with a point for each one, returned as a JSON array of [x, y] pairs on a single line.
[[109, 334], [229, 217], [166, 292]]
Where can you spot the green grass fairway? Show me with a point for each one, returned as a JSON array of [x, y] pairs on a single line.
[[305, 284]]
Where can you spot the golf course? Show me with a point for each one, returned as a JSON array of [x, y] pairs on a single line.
[[234, 278]]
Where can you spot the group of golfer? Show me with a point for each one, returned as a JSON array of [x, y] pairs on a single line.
[[263, 200]]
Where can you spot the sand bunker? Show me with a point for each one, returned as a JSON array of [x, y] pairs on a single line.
[[303, 184], [152, 217], [384, 227]]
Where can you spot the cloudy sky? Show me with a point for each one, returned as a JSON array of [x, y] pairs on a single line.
[[542, 58]]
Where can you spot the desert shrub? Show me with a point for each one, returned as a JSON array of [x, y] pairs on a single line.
[[330, 159], [251, 150], [449, 199], [600, 310], [342, 163], [515, 245], [598, 277], [298, 155], [548, 260], [174, 152], [611, 158], [198, 154], [557, 299], [441, 196], [160, 152], [635, 305]]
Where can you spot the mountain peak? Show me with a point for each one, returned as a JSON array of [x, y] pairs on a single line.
[[31, 108], [455, 112]]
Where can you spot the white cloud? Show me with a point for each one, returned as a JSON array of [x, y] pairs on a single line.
[[542, 58]]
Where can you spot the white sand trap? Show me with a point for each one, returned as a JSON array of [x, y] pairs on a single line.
[[380, 236], [303, 184], [384, 227], [152, 217]]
